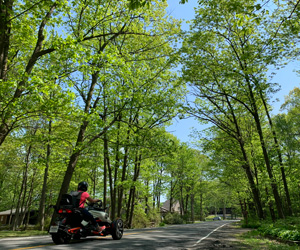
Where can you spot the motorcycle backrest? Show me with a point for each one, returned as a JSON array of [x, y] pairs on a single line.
[[71, 200], [66, 201], [76, 195]]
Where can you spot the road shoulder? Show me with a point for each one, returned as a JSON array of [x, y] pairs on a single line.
[[226, 237]]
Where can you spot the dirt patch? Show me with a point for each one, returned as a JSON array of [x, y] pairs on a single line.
[[224, 238]]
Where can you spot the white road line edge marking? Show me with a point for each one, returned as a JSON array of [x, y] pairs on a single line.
[[209, 234]]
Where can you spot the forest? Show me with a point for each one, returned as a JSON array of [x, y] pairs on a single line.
[[88, 89]]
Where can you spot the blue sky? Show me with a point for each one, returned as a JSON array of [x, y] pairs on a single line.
[[286, 77]]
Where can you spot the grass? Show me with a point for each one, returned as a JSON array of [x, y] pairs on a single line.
[[256, 242], [287, 229], [7, 233]]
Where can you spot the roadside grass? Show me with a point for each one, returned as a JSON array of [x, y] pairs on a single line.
[[7, 233], [286, 229], [257, 242]]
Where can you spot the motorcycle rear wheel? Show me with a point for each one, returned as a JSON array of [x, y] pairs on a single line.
[[59, 239], [76, 237]]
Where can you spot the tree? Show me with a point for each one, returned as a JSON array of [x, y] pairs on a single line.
[[27, 40], [96, 79], [233, 48], [286, 125]]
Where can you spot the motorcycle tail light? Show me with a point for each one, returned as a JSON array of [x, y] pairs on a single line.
[[64, 211]]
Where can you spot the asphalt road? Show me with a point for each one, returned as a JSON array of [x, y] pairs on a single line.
[[170, 237]]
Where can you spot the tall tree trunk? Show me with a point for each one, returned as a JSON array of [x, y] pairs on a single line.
[[159, 193], [277, 146], [201, 207], [110, 179], [181, 201], [41, 216], [22, 195], [124, 169], [244, 210], [255, 191], [121, 188], [6, 10], [72, 164], [128, 207], [172, 194], [15, 191], [153, 197], [29, 201], [105, 154], [271, 208], [265, 153], [224, 210], [116, 168], [131, 201], [94, 179], [131, 207], [146, 197], [104, 177], [187, 197], [10, 221], [192, 208], [246, 166]]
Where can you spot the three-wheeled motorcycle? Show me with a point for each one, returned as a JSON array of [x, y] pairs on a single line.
[[70, 224]]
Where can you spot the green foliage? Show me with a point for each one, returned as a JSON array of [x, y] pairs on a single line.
[[99, 70], [140, 219], [105, 71], [287, 229], [173, 218], [162, 224], [154, 217], [252, 223], [227, 53], [253, 240]]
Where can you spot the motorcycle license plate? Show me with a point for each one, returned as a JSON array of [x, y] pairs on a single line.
[[53, 229]]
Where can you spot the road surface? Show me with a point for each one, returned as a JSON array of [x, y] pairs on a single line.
[[187, 236]]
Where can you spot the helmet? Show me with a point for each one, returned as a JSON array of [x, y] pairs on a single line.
[[83, 186]]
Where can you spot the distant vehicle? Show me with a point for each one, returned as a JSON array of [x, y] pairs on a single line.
[[217, 218]]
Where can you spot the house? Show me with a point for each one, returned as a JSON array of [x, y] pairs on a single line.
[[5, 216], [175, 208]]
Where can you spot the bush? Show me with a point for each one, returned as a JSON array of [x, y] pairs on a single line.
[[162, 224], [254, 224], [140, 219], [283, 229], [173, 218], [186, 217], [154, 217]]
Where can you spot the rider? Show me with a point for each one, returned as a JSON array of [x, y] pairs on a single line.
[[87, 216]]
